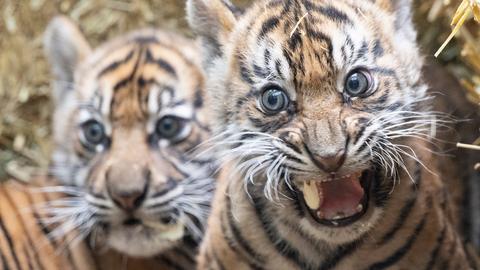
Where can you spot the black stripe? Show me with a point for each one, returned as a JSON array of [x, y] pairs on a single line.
[[321, 37], [146, 40], [384, 71], [438, 246], [260, 72], [237, 234], [39, 265], [28, 257], [295, 41], [445, 262], [401, 219], [167, 262], [407, 208], [332, 261], [234, 9], [362, 51], [363, 122], [161, 63], [266, 57], [188, 258], [116, 64], [399, 253], [351, 47], [288, 55], [283, 247], [296, 203], [268, 26], [198, 101], [3, 260], [244, 72], [383, 98], [142, 82], [472, 256], [10, 246], [166, 188], [362, 147], [122, 83], [233, 245], [330, 12], [284, 137], [24, 226], [378, 48], [278, 68], [177, 168], [67, 250], [42, 227], [218, 261]]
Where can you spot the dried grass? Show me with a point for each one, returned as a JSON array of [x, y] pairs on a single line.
[[468, 60], [25, 106]]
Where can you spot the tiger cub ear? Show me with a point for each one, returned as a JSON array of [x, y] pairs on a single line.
[[212, 21], [402, 10], [65, 47]]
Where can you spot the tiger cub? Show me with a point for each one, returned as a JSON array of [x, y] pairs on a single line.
[[324, 130], [127, 118], [28, 240]]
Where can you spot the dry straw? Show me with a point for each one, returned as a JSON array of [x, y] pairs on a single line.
[[471, 53]]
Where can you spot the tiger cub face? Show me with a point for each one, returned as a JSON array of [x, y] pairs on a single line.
[[320, 94], [128, 115]]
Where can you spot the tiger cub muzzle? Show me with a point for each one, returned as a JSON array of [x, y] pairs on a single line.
[[337, 194], [140, 207]]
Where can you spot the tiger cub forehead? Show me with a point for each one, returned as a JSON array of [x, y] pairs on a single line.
[[308, 45], [146, 73]]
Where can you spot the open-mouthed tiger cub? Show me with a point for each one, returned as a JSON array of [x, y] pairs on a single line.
[[324, 130], [28, 239], [128, 116]]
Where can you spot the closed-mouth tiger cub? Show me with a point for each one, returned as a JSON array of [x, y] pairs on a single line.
[[127, 118], [324, 131]]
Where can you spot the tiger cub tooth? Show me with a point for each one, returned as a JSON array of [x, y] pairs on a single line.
[[311, 194]]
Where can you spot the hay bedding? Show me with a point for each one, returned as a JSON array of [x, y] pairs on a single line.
[[25, 106]]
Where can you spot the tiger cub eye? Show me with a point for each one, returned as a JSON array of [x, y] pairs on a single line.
[[274, 100], [358, 83], [168, 127], [93, 132]]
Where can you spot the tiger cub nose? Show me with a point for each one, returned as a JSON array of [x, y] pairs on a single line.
[[128, 200], [330, 163], [128, 188]]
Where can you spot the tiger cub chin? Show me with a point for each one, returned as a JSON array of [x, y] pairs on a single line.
[[324, 130], [127, 118]]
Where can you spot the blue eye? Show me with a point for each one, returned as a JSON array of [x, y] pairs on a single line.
[[274, 100], [168, 127], [93, 132], [358, 83]]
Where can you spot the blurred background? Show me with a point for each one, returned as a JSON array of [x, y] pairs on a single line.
[[25, 106]]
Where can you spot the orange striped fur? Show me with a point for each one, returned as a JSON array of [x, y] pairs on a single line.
[[127, 118], [318, 105], [26, 241]]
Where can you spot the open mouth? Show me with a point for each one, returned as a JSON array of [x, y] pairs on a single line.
[[338, 200]]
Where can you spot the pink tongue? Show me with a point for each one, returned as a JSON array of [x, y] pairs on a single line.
[[341, 197]]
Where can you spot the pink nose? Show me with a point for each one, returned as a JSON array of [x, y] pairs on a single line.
[[330, 163], [127, 187], [128, 201]]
